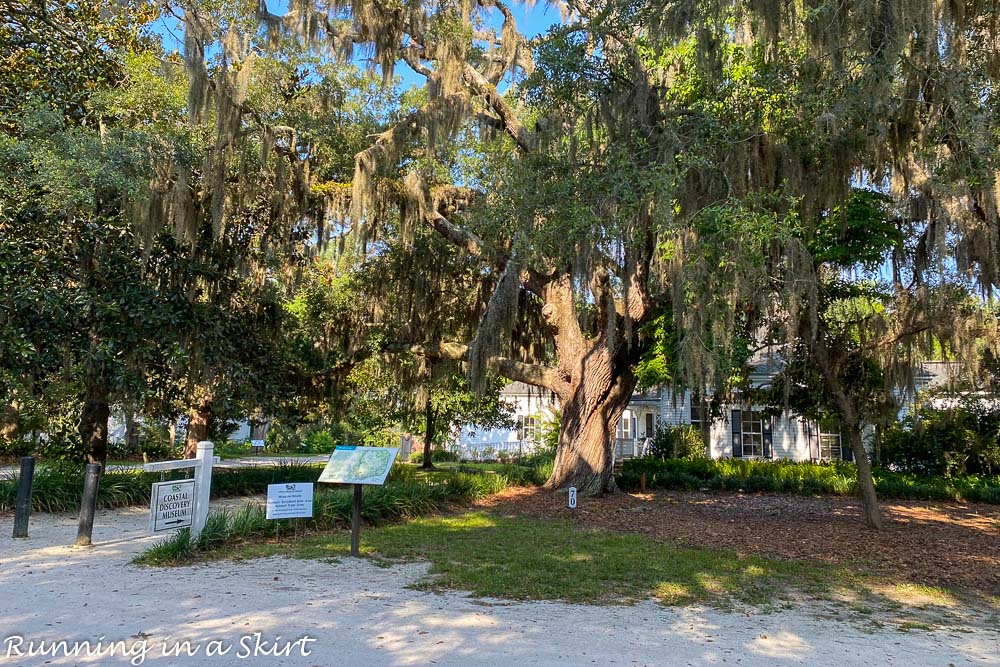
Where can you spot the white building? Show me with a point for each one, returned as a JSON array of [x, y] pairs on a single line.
[[742, 430], [531, 406]]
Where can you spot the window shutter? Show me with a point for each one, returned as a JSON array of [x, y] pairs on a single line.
[[765, 428], [846, 453], [737, 419]]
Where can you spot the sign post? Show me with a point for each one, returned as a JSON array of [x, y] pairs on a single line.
[[356, 522], [201, 490], [572, 498], [358, 466]]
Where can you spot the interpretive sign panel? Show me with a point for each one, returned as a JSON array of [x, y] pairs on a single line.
[[359, 465], [288, 501], [172, 505]]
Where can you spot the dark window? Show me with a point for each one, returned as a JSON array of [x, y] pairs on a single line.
[[696, 415]]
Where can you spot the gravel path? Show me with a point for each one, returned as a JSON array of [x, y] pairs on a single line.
[[354, 613]]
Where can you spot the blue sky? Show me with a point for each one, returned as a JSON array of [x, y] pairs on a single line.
[[531, 22]]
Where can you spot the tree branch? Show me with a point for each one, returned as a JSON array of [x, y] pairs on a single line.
[[538, 375], [524, 138]]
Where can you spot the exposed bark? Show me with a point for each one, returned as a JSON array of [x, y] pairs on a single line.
[[172, 432], [873, 517], [429, 418], [10, 429], [93, 426], [258, 428], [596, 381], [131, 430], [586, 434], [199, 424], [850, 418]]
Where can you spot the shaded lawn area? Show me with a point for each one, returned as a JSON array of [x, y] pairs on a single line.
[[924, 543], [531, 559]]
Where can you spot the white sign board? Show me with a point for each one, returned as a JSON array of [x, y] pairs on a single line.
[[288, 501], [359, 465], [572, 497], [172, 505]]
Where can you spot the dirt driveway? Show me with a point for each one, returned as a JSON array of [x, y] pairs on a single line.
[[956, 545], [278, 611]]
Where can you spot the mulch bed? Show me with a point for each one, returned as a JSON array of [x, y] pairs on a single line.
[[955, 545]]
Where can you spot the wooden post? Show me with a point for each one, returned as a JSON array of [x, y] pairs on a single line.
[[642, 482], [203, 486], [356, 522], [23, 507], [88, 505]]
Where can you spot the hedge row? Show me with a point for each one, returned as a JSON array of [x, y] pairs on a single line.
[[838, 479], [59, 487]]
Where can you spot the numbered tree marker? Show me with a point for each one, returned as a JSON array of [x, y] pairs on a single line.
[[172, 505], [289, 501], [572, 497]]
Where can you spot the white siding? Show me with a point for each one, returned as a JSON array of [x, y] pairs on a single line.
[[525, 402], [790, 436]]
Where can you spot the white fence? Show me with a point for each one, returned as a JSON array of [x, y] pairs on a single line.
[[488, 451], [630, 448], [624, 448]]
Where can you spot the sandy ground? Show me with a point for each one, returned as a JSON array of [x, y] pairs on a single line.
[[352, 613]]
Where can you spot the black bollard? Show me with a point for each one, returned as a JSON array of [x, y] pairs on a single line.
[[88, 506], [23, 507]]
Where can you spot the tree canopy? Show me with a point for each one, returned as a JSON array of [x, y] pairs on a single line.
[[652, 189]]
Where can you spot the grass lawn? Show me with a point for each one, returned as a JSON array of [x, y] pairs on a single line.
[[524, 559]]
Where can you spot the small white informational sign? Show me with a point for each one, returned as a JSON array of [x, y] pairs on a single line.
[[359, 465], [172, 505], [289, 501], [572, 497]]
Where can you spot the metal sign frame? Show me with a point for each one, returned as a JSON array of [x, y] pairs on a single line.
[[160, 488]]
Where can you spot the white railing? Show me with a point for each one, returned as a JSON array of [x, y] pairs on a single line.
[[630, 448], [482, 451], [624, 448]]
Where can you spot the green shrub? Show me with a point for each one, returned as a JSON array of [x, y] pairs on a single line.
[[792, 477], [944, 442], [282, 438], [319, 442], [678, 442], [437, 456]]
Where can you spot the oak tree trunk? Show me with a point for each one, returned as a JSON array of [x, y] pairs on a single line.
[[172, 433], [10, 430], [591, 411], [199, 424], [93, 426], [428, 463], [131, 430], [869, 499]]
